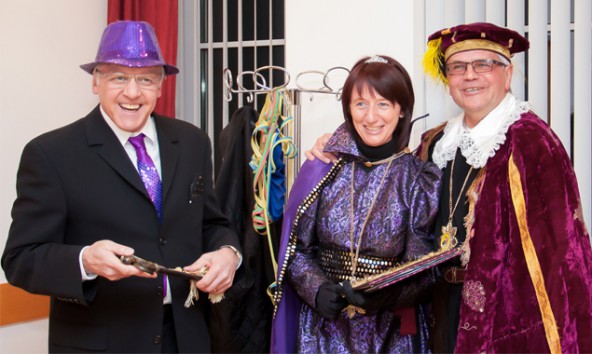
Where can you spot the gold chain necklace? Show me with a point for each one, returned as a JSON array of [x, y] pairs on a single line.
[[448, 239], [355, 255], [392, 157]]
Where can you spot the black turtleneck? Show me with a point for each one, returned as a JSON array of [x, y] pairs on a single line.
[[375, 153]]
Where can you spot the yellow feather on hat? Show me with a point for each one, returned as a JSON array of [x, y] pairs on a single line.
[[433, 61]]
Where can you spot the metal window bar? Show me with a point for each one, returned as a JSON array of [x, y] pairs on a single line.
[[208, 108]]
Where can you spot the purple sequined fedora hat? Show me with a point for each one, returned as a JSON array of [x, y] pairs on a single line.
[[132, 44]]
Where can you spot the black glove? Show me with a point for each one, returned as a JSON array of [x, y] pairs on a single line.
[[356, 298], [379, 300], [330, 300]]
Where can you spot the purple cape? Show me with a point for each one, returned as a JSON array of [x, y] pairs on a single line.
[[285, 321]]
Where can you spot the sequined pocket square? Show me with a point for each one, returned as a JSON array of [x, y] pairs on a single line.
[[197, 188]]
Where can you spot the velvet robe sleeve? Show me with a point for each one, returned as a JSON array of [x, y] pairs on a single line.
[[555, 221]]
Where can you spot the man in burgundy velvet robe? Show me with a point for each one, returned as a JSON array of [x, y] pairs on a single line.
[[511, 201]]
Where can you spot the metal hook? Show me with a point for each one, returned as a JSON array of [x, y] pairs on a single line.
[[264, 86], [242, 89], [239, 81], [301, 87], [326, 78], [227, 79], [338, 94]]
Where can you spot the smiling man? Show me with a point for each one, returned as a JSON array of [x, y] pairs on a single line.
[[510, 200], [121, 181]]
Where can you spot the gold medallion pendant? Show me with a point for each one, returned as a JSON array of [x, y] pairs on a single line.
[[448, 238]]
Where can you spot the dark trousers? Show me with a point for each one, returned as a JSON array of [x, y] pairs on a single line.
[[445, 312], [169, 337]]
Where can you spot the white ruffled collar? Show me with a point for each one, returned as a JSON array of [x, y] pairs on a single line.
[[481, 142]]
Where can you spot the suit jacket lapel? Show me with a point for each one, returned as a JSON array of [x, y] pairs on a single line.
[[102, 138], [169, 154]]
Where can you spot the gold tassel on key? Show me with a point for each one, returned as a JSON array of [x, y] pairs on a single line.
[[193, 295], [353, 310]]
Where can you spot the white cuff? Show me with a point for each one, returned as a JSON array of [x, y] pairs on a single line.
[[238, 254], [85, 276]]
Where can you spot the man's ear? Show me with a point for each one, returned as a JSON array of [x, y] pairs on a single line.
[[509, 74], [95, 85]]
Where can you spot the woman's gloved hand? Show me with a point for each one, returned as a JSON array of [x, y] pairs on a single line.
[[356, 298], [378, 300], [330, 300]]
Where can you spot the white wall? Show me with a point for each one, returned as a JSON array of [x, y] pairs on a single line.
[[41, 88], [321, 34], [30, 337]]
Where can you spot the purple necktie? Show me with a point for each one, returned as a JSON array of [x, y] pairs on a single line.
[[148, 173]]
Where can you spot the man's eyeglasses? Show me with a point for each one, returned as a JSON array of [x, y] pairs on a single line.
[[479, 66], [121, 80]]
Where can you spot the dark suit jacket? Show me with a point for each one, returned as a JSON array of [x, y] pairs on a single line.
[[76, 185]]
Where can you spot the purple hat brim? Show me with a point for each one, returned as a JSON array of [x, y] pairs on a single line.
[[168, 69]]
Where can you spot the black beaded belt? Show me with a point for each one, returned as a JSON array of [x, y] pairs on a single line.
[[338, 267]]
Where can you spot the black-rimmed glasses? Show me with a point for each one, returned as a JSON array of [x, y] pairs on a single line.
[[479, 66]]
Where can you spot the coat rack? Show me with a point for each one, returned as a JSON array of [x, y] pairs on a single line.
[[260, 86], [260, 83]]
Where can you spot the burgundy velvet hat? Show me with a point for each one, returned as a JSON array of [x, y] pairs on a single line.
[[479, 35], [132, 44]]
